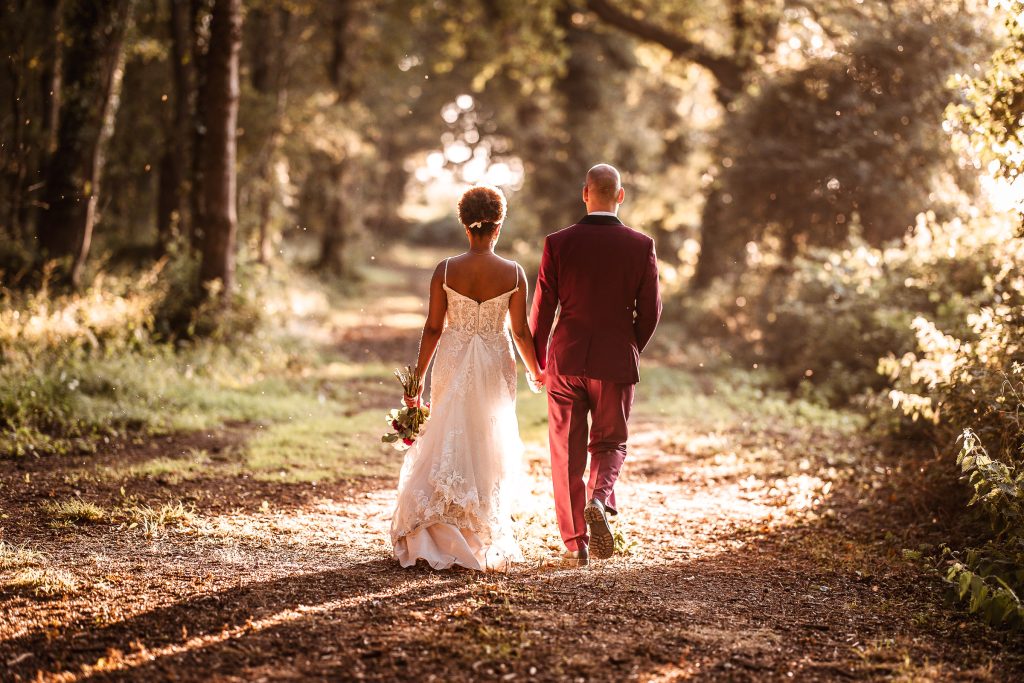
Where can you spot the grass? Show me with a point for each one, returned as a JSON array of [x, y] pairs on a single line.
[[152, 521], [323, 448], [74, 511], [80, 369], [22, 569], [44, 582], [14, 557], [729, 395]]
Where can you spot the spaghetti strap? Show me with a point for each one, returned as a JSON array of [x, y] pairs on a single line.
[[446, 271], [516, 266]]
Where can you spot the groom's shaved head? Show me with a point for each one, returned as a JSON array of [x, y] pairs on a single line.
[[603, 182]]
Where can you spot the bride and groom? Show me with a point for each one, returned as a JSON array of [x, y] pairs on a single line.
[[461, 479]]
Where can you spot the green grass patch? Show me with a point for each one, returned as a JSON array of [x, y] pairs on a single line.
[[74, 511], [532, 411], [726, 396], [323, 448]]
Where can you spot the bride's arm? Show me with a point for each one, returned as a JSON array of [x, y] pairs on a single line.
[[521, 329], [432, 328]]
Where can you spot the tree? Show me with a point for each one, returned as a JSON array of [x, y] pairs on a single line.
[[176, 164], [341, 72], [270, 58], [220, 116], [738, 50], [989, 122], [93, 68]]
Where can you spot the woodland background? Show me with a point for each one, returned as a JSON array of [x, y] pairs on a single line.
[[832, 186]]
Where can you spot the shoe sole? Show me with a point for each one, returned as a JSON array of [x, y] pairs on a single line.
[[602, 543]]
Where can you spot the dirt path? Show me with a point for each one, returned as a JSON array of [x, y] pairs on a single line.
[[763, 543]]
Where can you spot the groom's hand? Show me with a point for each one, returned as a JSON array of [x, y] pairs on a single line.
[[536, 382]]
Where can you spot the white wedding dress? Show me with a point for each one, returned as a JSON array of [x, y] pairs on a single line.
[[459, 478]]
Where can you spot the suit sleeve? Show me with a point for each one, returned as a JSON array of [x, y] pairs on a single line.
[[648, 301], [545, 302]]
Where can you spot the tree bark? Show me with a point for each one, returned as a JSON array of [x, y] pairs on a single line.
[[51, 78], [199, 42], [334, 238], [270, 65], [219, 190], [176, 162], [729, 74], [93, 69]]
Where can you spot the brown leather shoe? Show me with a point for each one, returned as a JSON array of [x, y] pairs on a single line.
[[575, 558], [601, 539]]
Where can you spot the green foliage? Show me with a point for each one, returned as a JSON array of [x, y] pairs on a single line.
[[823, 321], [846, 143], [971, 381], [79, 369], [991, 575], [987, 122]]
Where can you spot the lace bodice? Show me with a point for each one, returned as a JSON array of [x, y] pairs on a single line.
[[486, 317], [472, 317]]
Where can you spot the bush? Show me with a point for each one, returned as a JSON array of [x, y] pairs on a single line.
[[80, 368], [972, 384], [824, 321]]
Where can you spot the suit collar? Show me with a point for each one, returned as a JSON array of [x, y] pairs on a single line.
[[591, 219]]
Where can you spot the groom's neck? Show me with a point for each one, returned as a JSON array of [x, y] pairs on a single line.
[[593, 208]]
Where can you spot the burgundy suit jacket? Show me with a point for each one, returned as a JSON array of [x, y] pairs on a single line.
[[604, 276]]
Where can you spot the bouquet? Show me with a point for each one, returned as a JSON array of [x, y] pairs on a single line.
[[406, 422]]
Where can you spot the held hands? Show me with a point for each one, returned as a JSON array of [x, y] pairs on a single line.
[[536, 382]]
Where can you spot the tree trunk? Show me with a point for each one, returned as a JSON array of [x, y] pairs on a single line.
[[220, 106], [93, 69], [51, 78], [332, 244], [717, 254], [199, 42], [178, 126], [334, 237], [270, 63]]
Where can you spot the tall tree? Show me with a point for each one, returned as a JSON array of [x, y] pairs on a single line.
[[175, 164], [220, 117], [752, 35], [93, 69], [270, 57], [341, 73]]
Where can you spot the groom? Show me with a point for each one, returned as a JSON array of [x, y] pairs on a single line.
[[604, 276]]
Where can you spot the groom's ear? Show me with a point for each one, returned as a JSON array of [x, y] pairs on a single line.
[[585, 194], [622, 195]]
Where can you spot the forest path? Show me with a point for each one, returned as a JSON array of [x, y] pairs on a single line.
[[762, 540]]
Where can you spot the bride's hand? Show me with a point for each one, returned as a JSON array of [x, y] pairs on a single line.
[[536, 382], [414, 401]]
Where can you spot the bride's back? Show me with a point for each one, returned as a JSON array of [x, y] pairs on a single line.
[[481, 277]]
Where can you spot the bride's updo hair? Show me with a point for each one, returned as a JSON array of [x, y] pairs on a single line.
[[481, 208]]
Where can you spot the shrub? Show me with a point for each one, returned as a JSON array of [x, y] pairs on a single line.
[[970, 385], [824, 321]]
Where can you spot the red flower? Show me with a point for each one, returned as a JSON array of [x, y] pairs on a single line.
[[394, 425], [407, 441]]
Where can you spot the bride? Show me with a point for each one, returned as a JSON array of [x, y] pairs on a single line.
[[459, 478]]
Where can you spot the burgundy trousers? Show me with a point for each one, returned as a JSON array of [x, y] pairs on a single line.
[[570, 401]]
